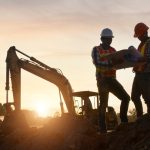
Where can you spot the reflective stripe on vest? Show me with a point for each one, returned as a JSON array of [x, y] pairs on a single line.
[[142, 50]]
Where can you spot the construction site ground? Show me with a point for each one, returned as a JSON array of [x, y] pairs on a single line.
[[70, 133]]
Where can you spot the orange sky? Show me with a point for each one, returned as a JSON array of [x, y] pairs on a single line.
[[62, 34]]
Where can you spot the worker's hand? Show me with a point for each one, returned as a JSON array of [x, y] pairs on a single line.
[[133, 57], [131, 48]]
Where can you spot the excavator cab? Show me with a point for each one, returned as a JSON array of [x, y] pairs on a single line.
[[89, 105], [85, 103]]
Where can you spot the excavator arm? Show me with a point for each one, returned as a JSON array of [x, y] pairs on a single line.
[[34, 66]]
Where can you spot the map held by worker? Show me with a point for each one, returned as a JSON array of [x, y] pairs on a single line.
[[125, 58]]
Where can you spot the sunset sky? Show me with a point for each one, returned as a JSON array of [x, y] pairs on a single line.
[[61, 34]]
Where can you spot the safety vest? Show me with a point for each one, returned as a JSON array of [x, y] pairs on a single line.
[[142, 49], [103, 70]]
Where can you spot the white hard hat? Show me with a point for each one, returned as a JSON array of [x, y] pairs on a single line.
[[107, 33]]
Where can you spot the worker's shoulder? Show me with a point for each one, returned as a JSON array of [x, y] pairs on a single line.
[[95, 47], [94, 50], [113, 48]]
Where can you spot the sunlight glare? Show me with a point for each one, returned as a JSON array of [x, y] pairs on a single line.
[[42, 109]]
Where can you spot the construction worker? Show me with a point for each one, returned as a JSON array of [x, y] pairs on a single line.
[[87, 108], [141, 82], [106, 79]]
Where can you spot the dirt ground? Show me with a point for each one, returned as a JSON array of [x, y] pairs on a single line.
[[77, 134]]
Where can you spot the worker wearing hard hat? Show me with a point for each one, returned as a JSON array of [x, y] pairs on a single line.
[[141, 83], [106, 79]]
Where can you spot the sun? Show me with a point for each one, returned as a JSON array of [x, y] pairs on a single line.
[[42, 109]]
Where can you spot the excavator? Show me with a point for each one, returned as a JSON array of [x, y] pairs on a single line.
[[34, 66], [38, 68]]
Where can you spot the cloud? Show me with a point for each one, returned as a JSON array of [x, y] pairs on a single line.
[[69, 16], [69, 11]]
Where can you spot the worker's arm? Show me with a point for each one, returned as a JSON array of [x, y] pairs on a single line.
[[148, 51]]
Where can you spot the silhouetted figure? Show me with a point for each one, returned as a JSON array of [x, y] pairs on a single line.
[[111, 118], [141, 82], [87, 107], [106, 79]]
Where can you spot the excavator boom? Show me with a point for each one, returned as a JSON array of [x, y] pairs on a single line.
[[14, 65]]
